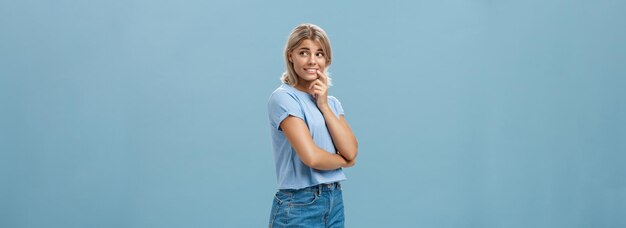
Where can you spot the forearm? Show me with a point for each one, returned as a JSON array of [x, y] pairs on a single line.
[[326, 161], [343, 137]]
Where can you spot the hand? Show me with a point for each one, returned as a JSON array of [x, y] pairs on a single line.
[[319, 89]]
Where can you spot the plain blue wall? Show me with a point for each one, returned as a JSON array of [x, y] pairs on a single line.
[[469, 113]]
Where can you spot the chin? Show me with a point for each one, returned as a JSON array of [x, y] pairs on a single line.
[[309, 78]]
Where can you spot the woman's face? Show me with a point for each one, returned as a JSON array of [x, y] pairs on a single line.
[[307, 58]]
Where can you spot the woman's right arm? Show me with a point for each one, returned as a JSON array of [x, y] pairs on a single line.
[[300, 138]]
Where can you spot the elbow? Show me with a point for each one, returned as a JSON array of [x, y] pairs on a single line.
[[311, 158], [311, 161], [308, 162], [317, 163], [349, 155]]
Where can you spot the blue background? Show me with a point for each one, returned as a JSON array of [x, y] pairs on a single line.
[[478, 113]]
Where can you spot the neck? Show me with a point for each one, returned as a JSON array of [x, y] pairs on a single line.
[[302, 85]]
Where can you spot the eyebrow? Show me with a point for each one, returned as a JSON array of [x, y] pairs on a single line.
[[306, 48]]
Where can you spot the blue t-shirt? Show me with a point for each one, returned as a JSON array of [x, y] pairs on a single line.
[[290, 171]]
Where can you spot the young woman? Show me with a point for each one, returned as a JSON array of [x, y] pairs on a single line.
[[311, 138]]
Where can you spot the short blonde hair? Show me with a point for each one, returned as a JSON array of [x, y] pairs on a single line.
[[298, 34]]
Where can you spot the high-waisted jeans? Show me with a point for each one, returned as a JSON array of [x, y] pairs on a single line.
[[315, 206]]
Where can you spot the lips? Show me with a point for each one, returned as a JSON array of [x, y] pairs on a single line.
[[311, 70]]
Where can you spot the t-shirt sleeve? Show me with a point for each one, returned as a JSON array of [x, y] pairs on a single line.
[[280, 106], [337, 105]]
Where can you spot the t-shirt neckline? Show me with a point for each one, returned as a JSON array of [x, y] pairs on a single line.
[[296, 90]]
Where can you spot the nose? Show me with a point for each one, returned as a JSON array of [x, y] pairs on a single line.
[[312, 61]]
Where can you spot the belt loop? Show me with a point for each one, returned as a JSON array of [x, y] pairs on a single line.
[[319, 190]]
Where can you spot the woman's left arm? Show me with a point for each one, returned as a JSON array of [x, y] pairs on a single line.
[[340, 131], [342, 135]]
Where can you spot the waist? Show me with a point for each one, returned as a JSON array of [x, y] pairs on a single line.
[[315, 188]]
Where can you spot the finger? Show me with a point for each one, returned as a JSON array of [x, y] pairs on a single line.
[[322, 76], [319, 88], [314, 83]]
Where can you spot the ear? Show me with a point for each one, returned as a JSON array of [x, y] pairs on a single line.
[[289, 57]]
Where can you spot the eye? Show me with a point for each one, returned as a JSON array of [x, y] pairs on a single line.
[[304, 53], [319, 54]]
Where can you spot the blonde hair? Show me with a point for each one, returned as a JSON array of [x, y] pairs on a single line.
[[298, 34]]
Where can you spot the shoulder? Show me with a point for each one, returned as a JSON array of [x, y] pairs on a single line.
[[281, 94], [283, 98]]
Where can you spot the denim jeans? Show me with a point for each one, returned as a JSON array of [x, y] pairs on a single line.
[[316, 206]]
